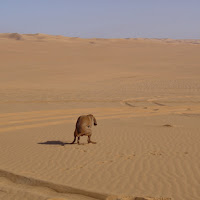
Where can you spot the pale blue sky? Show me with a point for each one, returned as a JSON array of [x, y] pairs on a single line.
[[103, 18]]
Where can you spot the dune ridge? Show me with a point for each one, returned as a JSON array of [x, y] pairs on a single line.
[[41, 36], [27, 181], [59, 192]]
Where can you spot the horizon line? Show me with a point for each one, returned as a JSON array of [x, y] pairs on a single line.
[[165, 38]]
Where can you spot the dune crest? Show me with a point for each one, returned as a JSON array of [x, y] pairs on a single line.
[[15, 36], [46, 37]]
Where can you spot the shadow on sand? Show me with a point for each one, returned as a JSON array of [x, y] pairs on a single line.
[[55, 143]]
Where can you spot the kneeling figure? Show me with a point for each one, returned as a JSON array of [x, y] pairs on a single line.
[[84, 127]]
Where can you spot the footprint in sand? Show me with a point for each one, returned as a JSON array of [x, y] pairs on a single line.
[[113, 197], [57, 199], [167, 125], [106, 161], [126, 157], [155, 153], [129, 158]]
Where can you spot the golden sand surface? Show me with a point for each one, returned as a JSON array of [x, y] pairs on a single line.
[[145, 95]]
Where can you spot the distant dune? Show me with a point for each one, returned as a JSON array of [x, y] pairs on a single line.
[[41, 36], [36, 36]]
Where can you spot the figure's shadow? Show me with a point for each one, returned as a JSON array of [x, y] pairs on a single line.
[[55, 143]]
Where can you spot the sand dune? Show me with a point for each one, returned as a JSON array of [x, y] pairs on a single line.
[[41, 188], [21, 187], [145, 95], [36, 36]]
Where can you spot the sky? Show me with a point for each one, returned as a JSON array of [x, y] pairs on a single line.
[[177, 19]]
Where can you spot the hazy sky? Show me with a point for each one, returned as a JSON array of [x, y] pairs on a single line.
[[103, 18]]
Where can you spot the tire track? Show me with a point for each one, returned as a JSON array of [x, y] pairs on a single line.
[[27, 120]]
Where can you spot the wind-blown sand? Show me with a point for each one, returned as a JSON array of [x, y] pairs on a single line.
[[145, 95]]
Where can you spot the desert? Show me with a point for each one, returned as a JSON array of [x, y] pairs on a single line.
[[144, 94]]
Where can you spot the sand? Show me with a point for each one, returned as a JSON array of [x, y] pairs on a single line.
[[145, 95]]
